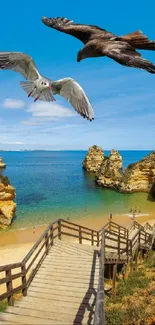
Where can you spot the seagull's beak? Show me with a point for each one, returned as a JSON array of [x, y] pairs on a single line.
[[49, 87]]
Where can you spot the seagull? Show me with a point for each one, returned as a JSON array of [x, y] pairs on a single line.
[[99, 42], [43, 88]]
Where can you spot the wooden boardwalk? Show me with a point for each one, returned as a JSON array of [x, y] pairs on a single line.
[[62, 281]]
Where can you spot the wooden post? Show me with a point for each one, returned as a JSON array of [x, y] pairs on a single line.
[[9, 288], [131, 248], [109, 271], [47, 243], [141, 256], [131, 265], [92, 238], [110, 225], [125, 271], [51, 235], [114, 278], [127, 246], [99, 316], [59, 229], [136, 260], [98, 239], [119, 243], [139, 237], [24, 290], [80, 235]]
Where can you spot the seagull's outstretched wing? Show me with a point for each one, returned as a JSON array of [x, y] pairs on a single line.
[[83, 32], [19, 62], [73, 92], [126, 55]]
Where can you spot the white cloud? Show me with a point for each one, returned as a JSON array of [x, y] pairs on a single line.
[[43, 112], [12, 142], [13, 103], [44, 109]]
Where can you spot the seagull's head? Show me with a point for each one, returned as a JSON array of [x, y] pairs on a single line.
[[45, 84]]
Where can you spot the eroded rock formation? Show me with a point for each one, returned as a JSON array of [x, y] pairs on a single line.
[[110, 172], [140, 176], [93, 159], [2, 164], [7, 205], [137, 177]]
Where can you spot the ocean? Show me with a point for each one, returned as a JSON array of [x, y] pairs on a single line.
[[52, 184]]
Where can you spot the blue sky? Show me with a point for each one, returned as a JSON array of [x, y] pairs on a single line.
[[123, 98]]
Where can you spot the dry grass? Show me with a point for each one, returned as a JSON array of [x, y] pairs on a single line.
[[134, 301]]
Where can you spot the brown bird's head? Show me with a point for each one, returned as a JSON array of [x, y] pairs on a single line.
[[90, 50], [81, 55]]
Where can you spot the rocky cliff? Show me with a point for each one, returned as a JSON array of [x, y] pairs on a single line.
[[137, 177], [7, 205], [140, 176], [110, 172], [93, 159], [152, 192]]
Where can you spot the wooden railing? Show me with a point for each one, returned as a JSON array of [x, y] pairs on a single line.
[[15, 278], [99, 317]]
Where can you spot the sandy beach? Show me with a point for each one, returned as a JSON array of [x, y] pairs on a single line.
[[15, 244]]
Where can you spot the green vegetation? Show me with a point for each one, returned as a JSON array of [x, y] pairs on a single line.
[[3, 305], [4, 180], [133, 302]]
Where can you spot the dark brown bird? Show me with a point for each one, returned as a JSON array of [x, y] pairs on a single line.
[[99, 42]]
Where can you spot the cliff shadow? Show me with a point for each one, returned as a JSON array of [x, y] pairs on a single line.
[[150, 198]]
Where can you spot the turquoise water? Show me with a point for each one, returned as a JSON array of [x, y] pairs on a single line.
[[52, 184]]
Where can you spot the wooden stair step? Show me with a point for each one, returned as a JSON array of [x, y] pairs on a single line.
[[63, 290], [69, 252], [3, 322], [59, 297], [71, 277], [67, 270], [24, 319], [57, 282], [79, 247], [72, 249], [69, 266], [64, 286], [37, 316], [52, 304], [71, 260], [69, 257]]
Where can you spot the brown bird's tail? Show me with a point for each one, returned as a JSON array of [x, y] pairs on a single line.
[[139, 41]]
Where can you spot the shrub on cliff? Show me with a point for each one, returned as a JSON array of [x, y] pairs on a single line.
[[4, 180]]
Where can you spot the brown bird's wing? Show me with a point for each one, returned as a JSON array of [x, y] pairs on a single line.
[[83, 32], [126, 55], [139, 41]]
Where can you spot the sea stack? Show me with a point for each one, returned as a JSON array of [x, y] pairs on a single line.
[[93, 159], [110, 172], [140, 176], [2, 164], [7, 204], [137, 177]]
